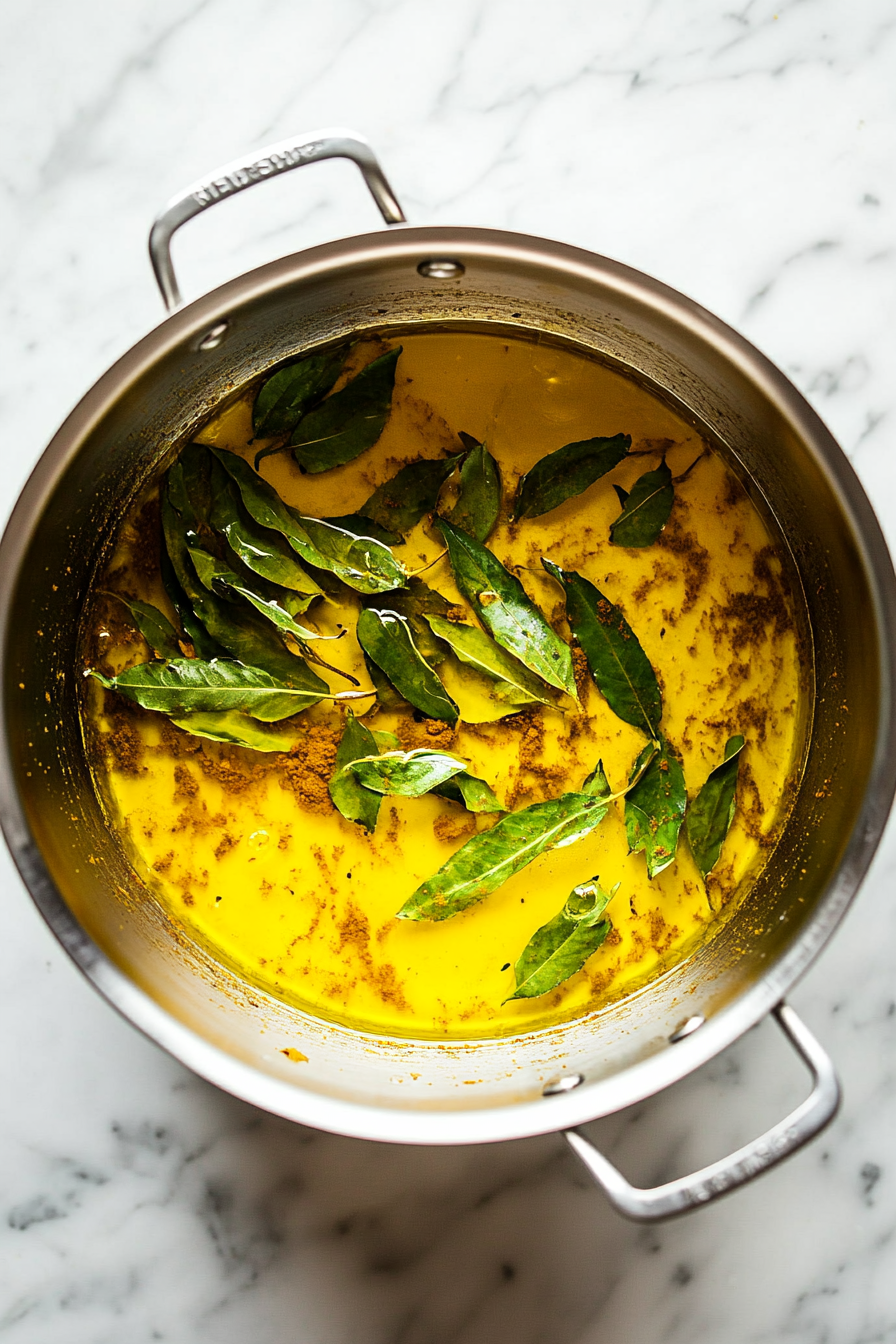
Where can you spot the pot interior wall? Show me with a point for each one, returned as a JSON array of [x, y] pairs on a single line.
[[142, 410]]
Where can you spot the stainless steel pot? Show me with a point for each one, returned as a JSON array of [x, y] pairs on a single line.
[[405, 1090]]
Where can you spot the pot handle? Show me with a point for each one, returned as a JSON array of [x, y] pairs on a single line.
[[245, 172], [665, 1201]]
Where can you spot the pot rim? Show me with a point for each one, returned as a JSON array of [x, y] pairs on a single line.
[[542, 1114]]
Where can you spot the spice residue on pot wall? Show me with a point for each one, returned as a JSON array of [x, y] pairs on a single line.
[[247, 850]]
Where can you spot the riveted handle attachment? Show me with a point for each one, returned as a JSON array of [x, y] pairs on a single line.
[[243, 173], [665, 1201]]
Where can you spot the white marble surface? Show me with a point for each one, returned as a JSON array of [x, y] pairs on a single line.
[[745, 155]]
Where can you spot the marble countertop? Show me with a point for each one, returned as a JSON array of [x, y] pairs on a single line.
[[745, 155]]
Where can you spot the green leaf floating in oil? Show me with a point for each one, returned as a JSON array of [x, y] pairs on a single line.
[[515, 685], [285, 397], [488, 859], [349, 796], [471, 792], [419, 604], [406, 774], [597, 783], [216, 576], [567, 472], [174, 561], [348, 422], [239, 730], [360, 526], [501, 603], [243, 635], [386, 695], [262, 551], [645, 511], [711, 813], [193, 686], [386, 638], [385, 741], [153, 625], [370, 764], [361, 562], [619, 665], [655, 806], [399, 503], [479, 499], [204, 646], [560, 948]]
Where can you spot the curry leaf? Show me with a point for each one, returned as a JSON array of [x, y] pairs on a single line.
[[351, 798], [501, 603], [260, 550], [407, 774], [192, 686], [385, 741], [215, 575], [711, 813], [567, 472], [285, 397], [349, 421], [365, 527], [386, 695], [597, 783], [516, 684], [479, 500], [261, 500], [488, 859], [241, 634], [418, 603], [473, 793], [204, 646], [153, 625], [386, 638], [646, 510], [561, 947], [239, 730], [399, 503], [655, 807], [362, 562], [618, 664]]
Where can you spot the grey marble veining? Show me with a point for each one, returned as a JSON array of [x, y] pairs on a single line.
[[746, 156]]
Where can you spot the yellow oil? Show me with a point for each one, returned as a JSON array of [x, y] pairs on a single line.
[[245, 850]]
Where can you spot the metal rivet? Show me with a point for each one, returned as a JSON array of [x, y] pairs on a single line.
[[441, 268], [212, 339], [557, 1086], [687, 1028]]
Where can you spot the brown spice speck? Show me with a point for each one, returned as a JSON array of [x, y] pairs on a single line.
[[431, 733], [693, 557], [308, 770], [123, 743], [355, 928], [448, 828], [185, 785], [581, 671]]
